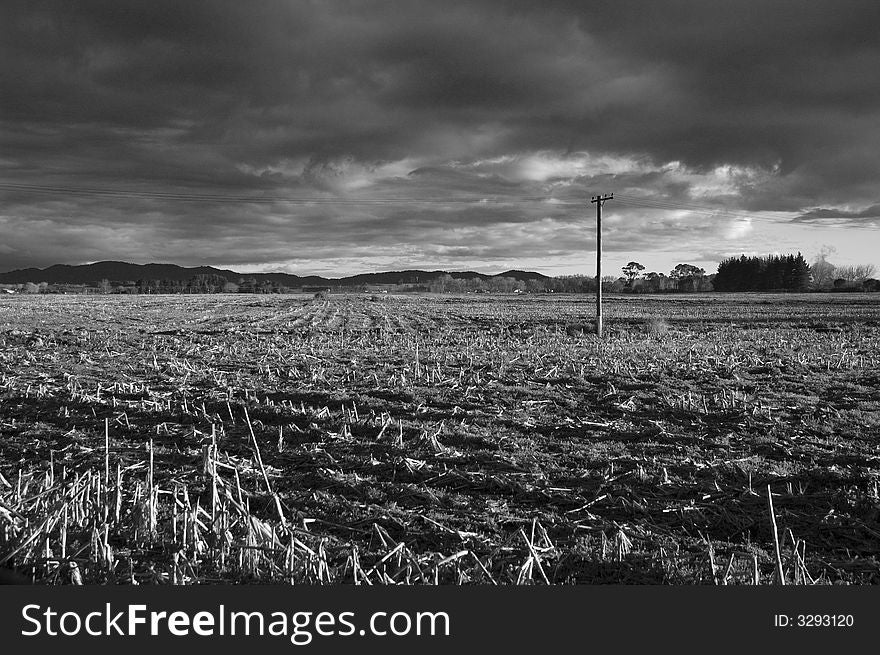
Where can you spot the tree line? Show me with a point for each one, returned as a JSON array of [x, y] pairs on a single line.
[[197, 284], [770, 273], [753, 273], [209, 284], [743, 273], [682, 278]]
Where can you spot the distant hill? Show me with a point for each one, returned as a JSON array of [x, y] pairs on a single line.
[[86, 273], [123, 271]]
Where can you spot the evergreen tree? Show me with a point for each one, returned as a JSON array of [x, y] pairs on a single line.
[[770, 273]]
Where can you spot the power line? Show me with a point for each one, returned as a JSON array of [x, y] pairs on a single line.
[[720, 212], [675, 205], [625, 200], [214, 197], [244, 199]]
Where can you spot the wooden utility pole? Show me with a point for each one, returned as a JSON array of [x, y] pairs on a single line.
[[599, 200]]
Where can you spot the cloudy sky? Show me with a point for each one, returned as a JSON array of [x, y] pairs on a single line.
[[339, 137]]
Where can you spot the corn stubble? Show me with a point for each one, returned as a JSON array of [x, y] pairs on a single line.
[[439, 440]]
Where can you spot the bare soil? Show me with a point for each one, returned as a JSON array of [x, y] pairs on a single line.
[[440, 439]]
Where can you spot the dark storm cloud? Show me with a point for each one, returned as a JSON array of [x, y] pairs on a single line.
[[856, 217], [455, 100]]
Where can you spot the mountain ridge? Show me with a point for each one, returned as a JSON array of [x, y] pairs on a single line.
[[119, 271]]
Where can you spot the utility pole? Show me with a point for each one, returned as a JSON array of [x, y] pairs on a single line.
[[599, 201]]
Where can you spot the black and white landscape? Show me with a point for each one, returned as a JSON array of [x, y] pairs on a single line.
[[307, 292]]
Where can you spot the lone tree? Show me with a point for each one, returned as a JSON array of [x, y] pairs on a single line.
[[632, 271], [821, 270]]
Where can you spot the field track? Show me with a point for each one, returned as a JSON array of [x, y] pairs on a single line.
[[440, 439]]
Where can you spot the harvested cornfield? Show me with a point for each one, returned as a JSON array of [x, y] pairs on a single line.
[[440, 439]]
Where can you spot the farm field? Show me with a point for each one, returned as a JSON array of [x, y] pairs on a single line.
[[440, 439]]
